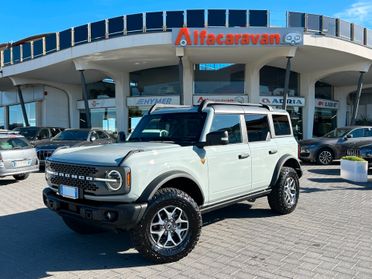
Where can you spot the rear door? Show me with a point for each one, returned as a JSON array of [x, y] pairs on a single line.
[[229, 166], [264, 152]]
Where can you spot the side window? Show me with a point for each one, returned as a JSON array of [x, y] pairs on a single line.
[[102, 135], [281, 125], [357, 133], [229, 123], [368, 132], [44, 134], [257, 127], [55, 131]]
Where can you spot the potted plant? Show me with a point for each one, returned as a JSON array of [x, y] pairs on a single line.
[[354, 168]]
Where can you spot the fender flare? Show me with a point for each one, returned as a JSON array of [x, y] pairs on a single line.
[[162, 179], [285, 158]]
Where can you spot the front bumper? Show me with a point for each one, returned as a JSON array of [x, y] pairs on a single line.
[[123, 216]]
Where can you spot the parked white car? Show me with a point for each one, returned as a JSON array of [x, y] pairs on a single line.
[[177, 164], [17, 156]]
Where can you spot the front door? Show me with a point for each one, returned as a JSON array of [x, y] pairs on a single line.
[[229, 166]]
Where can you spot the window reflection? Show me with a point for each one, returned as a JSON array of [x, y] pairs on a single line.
[[16, 115], [2, 120], [220, 78], [155, 81], [272, 82]]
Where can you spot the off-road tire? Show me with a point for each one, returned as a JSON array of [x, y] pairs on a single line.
[[81, 227], [277, 197], [141, 236], [321, 159], [21, 176]]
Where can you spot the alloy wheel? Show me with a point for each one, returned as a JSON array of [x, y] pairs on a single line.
[[169, 227], [290, 191]]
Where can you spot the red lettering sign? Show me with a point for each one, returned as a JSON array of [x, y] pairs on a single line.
[[204, 37]]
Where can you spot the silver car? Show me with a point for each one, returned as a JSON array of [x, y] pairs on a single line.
[[17, 156]]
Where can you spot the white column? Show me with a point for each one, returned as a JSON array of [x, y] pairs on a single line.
[[188, 80], [252, 83], [121, 93], [341, 95], [307, 90]]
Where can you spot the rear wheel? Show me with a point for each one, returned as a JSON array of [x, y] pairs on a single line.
[[21, 176], [325, 156], [170, 228], [284, 195], [81, 227]]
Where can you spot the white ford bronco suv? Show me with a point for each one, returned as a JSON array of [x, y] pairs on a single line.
[[178, 163]]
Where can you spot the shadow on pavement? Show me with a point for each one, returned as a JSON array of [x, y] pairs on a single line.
[[36, 242], [7, 181], [325, 171]]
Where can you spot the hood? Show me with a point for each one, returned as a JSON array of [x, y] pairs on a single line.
[[54, 144], [105, 155]]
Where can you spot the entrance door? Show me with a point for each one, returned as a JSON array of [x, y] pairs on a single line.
[[229, 166]]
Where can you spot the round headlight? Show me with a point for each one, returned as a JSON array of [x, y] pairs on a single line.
[[115, 180]]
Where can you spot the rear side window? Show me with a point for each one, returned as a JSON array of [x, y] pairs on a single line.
[[281, 125], [13, 143], [229, 123], [102, 135], [257, 127]]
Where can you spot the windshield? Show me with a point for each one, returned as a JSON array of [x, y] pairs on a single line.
[[13, 143], [337, 133], [28, 133], [179, 128], [79, 135]]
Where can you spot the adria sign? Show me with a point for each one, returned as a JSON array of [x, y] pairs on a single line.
[[237, 36]]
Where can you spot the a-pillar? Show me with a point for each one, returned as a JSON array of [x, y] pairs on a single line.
[[252, 83], [307, 89], [122, 89]]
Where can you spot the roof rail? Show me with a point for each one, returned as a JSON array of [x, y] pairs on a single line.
[[159, 106], [207, 103]]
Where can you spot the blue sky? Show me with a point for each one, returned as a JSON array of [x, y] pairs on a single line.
[[23, 18]]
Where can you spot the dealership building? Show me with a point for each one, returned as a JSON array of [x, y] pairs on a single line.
[[109, 73]]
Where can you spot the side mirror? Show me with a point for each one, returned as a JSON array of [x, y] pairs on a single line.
[[217, 138], [348, 136], [93, 138]]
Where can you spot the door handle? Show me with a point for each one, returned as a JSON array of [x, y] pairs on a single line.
[[273, 151], [243, 156]]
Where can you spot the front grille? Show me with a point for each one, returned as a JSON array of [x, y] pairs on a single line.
[[73, 170], [353, 152], [44, 154]]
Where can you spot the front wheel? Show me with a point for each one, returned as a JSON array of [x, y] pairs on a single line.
[[170, 228], [21, 176], [284, 195]]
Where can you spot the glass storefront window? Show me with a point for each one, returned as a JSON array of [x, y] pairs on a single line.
[[325, 120], [104, 118], [219, 78], [323, 91], [101, 89], [2, 120], [155, 82], [272, 82], [16, 116]]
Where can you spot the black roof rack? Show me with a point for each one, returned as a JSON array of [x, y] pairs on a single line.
[[207, 103], [158, 106]]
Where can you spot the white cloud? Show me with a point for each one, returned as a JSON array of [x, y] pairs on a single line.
[[360, 13]]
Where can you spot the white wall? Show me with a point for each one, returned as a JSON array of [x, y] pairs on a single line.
[[55, 108]]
